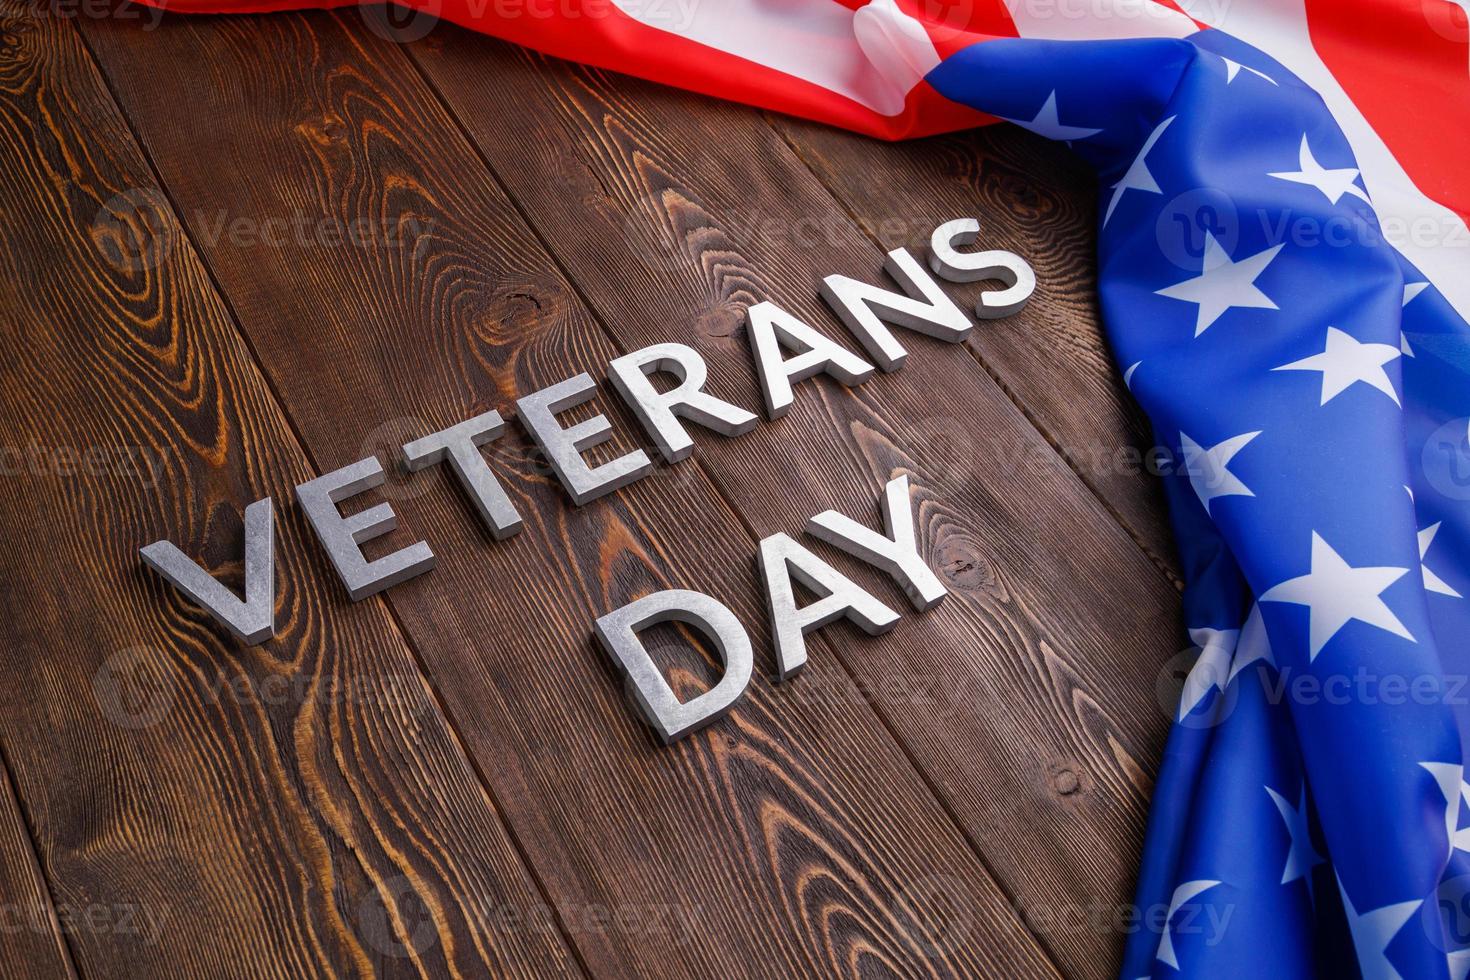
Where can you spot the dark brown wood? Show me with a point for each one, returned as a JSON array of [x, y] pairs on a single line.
[[30, 929], [360, 242], [1028, 701], [200, 809], [1038, 200], [795, 837]]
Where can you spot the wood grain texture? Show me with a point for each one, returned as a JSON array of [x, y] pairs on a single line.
[[1028, 700], [1037, 200], [795, 837], [31, 931], [294, 809]]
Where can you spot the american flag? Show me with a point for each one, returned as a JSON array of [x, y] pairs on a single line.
[[1285, 281]]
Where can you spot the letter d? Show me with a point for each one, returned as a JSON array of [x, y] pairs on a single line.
[[671, 718]]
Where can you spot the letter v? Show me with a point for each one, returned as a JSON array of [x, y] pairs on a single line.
[[254, 620]]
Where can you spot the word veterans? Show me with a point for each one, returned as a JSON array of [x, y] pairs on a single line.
[[867, 311]]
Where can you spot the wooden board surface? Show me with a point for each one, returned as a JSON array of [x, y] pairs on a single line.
[[242, 251]]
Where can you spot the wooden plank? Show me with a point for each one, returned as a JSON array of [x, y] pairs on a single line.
[[31, 941], [672, 214], [1039, 201], [203, 809], [794, 837]]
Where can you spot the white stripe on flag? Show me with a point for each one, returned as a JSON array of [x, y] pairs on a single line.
[[874, 55], [1426, 232], [1097, 20]]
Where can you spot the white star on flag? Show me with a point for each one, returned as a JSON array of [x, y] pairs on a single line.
[[1223, 654], [1138, 177], [1184, 893], [1254, 644], [1373, 931], [1232, 68], [1047, 124], [1346, 362], [1411, 290], [1332, 183], [1211, 670], [1223, 284], [1450, 776], [1433, 582], [1301, 857], [1337, 593], [1209, 468]]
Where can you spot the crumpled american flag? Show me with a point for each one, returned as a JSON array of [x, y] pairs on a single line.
[[1285, 281]]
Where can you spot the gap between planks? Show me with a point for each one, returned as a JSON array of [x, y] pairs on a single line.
[[1159, 561], [450, 722], [8, 795], [722, 494]]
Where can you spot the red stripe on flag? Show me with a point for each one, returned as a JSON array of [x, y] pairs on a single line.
[[1406, 66]]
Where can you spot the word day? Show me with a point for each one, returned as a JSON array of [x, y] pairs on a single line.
[[784, 351]]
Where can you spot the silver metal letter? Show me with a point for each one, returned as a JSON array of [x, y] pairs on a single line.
[[254, 620], [670, 717], [926, 309], [896, 555], [659, 412], [340, 536], [772, 328], [564, 447], [783, 560], [460, 444], [1008, 267]]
